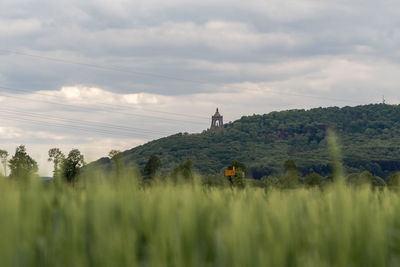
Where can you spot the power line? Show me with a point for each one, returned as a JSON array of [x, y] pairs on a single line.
[[63, 126], [74, 107], [161, 118], [115, 69], [161, 76], [88, 126], [55, 124], [101, 124], [77, 121], [111, 105]]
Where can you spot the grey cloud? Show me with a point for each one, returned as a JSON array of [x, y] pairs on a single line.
[[17, 27]]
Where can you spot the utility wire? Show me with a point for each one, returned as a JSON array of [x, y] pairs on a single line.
[[74, 107], [162, 76], [156, 117], [77, 121], [63, 126], [87, 124], [71, 127], [112, 105], [114, 69]]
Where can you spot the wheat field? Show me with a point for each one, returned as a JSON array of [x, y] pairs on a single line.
[[120, 223]]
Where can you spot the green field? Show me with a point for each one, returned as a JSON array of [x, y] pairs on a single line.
[[102, 222]]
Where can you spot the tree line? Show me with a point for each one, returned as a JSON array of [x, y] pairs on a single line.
[[69, 168], [291, 178], [23, 166]]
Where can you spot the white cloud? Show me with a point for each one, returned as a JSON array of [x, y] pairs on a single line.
[[80, 94], [9, 132], [12, 133]]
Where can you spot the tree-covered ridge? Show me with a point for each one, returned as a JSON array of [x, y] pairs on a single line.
[[369, 137]]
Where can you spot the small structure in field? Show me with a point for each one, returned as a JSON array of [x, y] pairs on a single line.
[[217, 123]]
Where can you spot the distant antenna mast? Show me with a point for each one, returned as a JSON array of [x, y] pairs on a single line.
[[383, 100]]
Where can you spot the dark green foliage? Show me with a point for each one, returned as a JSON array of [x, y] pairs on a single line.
[[394, 180], [71, 165], [365, 178], [255, 183], [184, 170], [216, 180], [57, 157], [239, 166], [270, 182], [369, 136], [378, 181], [292, 177], [21, 165], [114, 153], [239, 181], [289, 165], [360, 179], [290, 180], [153, 165], [116, 159], [313, 179]]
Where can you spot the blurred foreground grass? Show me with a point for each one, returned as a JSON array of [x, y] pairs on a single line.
[[103, 223]]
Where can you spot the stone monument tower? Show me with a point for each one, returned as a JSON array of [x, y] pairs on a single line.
[[217, 123]]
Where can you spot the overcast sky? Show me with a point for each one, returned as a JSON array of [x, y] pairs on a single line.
[[99, 74]]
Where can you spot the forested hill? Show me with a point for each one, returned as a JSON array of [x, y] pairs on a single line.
[[369, 137]]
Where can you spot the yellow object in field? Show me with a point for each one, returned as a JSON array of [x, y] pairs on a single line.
[[230, 172]]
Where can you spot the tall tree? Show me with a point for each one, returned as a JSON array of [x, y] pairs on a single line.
[[240, 169], [3, 159], [114, 153], [292, 176], [313, 179], [238, 165], [290, 166], [185, 170], [71, 165], [239, 180], [115, 156], [393, 180], [153, 165], [21, 164], [57, 157]]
